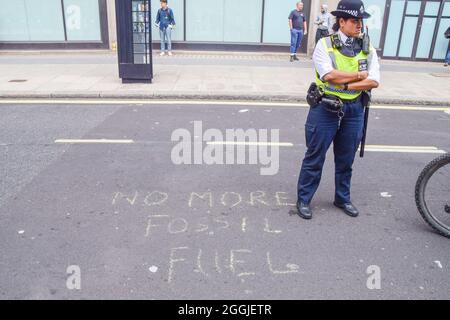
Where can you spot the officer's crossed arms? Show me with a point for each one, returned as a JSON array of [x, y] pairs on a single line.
[[355, 80]]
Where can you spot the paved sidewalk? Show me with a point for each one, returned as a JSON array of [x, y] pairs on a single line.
[[204, 75]]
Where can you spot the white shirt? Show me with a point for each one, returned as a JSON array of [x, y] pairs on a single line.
[[324, 65]]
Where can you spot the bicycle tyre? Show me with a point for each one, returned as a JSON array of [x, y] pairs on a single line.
[[421, 185]]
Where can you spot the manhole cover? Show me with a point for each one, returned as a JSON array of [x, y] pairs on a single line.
[[17, 80]]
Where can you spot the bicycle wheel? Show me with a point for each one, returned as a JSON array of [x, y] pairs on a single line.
[[433, 194]]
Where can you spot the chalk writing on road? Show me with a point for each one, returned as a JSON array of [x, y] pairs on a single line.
[[234, 261], [207, 214], [175, 225], [206, 199]]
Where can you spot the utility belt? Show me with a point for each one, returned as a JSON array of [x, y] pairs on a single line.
[[315, 97], [331, 103]]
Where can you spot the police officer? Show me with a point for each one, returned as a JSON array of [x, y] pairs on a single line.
[[345, 67]]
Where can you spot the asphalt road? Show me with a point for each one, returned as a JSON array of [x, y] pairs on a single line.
[[139, 226]]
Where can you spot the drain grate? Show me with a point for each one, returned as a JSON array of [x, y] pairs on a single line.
[[18, 80]]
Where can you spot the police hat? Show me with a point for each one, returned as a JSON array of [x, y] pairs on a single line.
[[351, 9]]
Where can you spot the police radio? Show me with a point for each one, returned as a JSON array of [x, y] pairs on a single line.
[[365, 40], [336, 41]]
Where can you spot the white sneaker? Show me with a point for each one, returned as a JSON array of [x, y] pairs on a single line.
[[170, 53], [162, 53]]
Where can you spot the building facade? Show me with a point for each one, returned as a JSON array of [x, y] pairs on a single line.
[[399, 29]]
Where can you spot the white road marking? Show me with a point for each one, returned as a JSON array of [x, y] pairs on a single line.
[[201, 102], [403, 149], [374, 146], [93, 141], [369, 148], [245, 143], [151, 102], [411, 108]]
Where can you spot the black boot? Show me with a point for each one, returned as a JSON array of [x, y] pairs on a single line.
[[304, 210], [292, 59], [295, 58], [348, 208]]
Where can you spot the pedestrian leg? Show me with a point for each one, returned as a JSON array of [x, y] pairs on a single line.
[[299, 40], [318, 35], [169, 39], [294, 39], [161, 35]]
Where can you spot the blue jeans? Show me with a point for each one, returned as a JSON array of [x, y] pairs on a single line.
[[321, 129], [166, 39], [296, 40], [448, 57]]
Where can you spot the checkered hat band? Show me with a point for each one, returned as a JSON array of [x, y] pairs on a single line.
[[350, 12]]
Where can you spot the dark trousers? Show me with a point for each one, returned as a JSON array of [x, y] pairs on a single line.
[[321, 130], [321, 34]]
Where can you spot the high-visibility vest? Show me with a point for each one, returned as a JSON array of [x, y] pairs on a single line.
[[343, 63]]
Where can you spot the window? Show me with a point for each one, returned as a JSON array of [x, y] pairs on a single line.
[[276, 28], [394, 28], [82, 20], [13, 21], [43, 21], [31, 20], [375, 22], [242, 21], [441, 46], [224, 20]]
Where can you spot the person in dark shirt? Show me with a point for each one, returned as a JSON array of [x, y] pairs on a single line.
[[447, 59], [165, 20], [297, 24]]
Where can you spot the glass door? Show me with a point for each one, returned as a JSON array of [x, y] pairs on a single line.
[[441, 45], [140, 11], [410, 29]]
